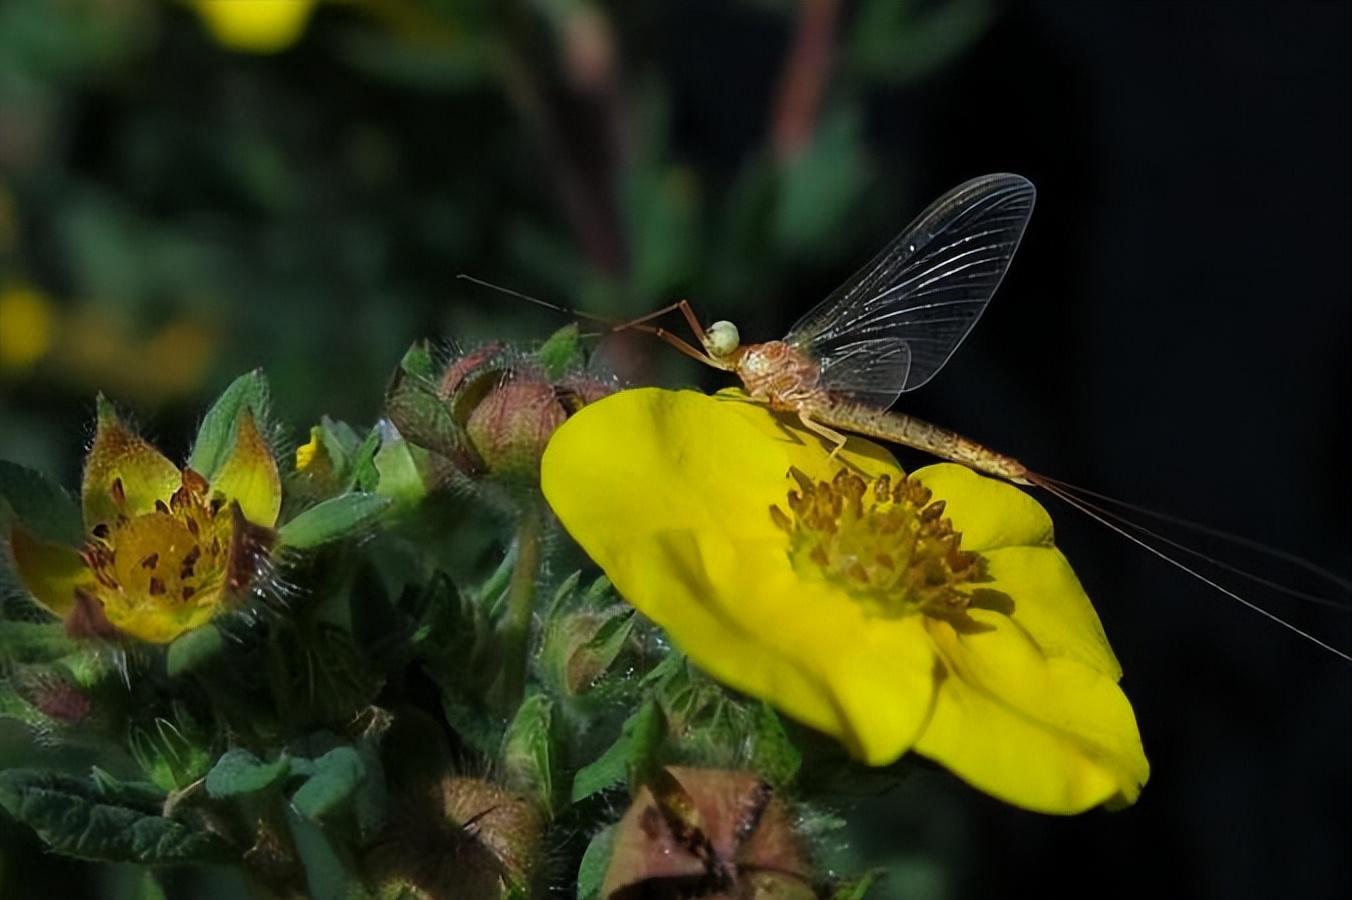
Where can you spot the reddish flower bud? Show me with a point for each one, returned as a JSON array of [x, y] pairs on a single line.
[[708, 833]]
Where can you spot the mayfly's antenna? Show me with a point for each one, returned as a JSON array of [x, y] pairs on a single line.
[[567, 311], [1106, 519]]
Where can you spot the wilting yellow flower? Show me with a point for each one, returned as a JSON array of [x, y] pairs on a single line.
[[164, 550], [255, 26], [836, 590]]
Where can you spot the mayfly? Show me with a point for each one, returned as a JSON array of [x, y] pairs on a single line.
[[891, 327]]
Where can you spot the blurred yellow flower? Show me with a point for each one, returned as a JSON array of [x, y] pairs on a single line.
[[164, 550], [836, 590], [255, 26], [27, 326]]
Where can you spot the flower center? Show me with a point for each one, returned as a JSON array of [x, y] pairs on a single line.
[[165, 558], [882, 539]]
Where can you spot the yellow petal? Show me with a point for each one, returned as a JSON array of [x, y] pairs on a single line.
[[686, 461], [162, 625], [1050, 735], [743, 615], [679, 520], [249, 475], [989, 513], [122, 461], [52, 572], [1051, 606]]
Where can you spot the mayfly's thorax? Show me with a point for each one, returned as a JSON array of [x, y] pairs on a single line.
[[778, 374]]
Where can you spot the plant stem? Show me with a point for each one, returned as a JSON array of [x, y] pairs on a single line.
[[521, 605], [803, 82]]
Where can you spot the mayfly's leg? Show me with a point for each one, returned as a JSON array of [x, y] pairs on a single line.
[[831, 435], [682, 305], [678, 343]]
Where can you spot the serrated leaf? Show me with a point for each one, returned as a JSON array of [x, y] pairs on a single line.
[[240, 772], [337, 774], [528, 750], [194, 650], [215, 436], [631, 757], [333, 519], [773, 754], [420, 414], [591, 872], [47, 511], [73, 817], [607, 770]]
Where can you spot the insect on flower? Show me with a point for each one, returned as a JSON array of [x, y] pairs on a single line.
[[890, 328]]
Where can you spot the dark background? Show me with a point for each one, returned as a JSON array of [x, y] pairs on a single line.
[[1175, 331]]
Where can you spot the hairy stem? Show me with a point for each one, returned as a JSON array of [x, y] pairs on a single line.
[[521, 605]]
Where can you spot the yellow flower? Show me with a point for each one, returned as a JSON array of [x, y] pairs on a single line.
[[255, 26], [164, 550], [27, 326], [835, 590]]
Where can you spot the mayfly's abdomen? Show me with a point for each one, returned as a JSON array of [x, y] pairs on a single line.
[[912, 432]]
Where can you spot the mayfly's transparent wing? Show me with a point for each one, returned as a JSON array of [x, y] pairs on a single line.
[[896, 321]]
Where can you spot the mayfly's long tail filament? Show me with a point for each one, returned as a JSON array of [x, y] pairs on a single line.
[[1300, 562], [1341, 605], [1116, 524]]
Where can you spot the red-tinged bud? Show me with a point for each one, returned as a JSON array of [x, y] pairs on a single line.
[[512, 424], [708, 833], [52, 692]]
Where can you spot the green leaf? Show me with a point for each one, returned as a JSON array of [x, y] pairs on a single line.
[[73, 817], [194, 650], [591, 872], [216, 434], [363, 475], [632, 755], [399, 478], [418, 361], [420, 414], [773, 755], [333, 519], [898, 43], [240, 772], [823, 187], [34, 642], [43, 506], [328, 876], [337, 774], [528, 750], [560, 352]]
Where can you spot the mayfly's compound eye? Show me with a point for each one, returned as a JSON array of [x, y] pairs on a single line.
[[722, 338]]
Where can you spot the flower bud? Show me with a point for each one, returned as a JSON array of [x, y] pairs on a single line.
[[708, 833], [512, 424], [493, 409], [466, 837]]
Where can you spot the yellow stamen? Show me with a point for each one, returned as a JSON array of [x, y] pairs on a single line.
[[885, 542]]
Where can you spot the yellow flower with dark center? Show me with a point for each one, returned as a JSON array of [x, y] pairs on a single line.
[[164, 550], [928, 612]]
